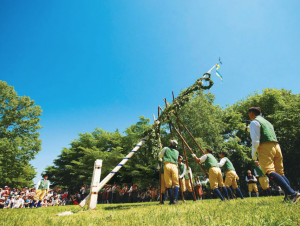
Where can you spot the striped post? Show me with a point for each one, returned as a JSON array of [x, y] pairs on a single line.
[[115, 170]]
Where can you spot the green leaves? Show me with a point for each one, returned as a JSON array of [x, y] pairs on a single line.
[[19, 139]]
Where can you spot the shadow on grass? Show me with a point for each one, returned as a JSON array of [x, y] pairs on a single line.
[[124, 207]]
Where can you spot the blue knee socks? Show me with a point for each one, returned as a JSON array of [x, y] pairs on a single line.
[[286, 180], [281, 181], [225, 192], [230, 192], [170, 193], [218, 193], [176, 192], [32, 204], [240, 193]]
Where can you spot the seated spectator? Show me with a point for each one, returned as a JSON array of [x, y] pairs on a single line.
[[44, 203], [26, 191], [7, 202], [22, 202], [5, 191], [26, 201], [13, 192], [56, 201], [50, 201], [12, 201], [32, 192], [16, 202], [49, 194], [2, 202], [74, 201]]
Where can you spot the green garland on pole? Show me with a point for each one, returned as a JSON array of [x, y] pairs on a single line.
[[179, 102]]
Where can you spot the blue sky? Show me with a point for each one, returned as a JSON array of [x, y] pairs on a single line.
[[104, 63]]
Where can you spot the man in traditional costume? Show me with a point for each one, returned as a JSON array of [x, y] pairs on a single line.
[[187, 180], [42, 188], [251, 181], [230, 175], [169, 156], [182, 172], [265, 144], [214, 172]]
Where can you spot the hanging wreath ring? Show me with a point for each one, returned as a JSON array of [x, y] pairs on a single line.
[[207, 78]]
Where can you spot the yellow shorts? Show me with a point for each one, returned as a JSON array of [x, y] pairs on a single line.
[[188, 185], [270, 157], [163, 184], [171, 174], [252, 186], [40, 193], [182, 185], [230, 179], [215, 178], [264, 183]]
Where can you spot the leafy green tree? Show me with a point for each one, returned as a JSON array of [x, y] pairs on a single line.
[[74, 166], [19, 139], [282, 109], [212, 127]]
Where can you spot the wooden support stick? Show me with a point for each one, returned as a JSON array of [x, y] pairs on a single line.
[[187, 164], [188, 132], [188, 148], [183, 147], [159, 163]]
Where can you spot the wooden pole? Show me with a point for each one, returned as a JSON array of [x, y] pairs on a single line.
[[188, 132], [172, 139], [159, 163], [187, 164], [188, 147]]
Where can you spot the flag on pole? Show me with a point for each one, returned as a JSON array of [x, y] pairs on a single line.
[[218, 74]]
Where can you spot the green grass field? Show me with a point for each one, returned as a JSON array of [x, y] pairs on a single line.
[[250, 211]]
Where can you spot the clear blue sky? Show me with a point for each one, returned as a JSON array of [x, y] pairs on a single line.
[[104, 63]]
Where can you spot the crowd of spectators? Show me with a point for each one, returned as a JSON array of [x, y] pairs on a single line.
[[16, 198]]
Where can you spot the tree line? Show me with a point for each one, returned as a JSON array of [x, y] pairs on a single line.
[[222, 129]]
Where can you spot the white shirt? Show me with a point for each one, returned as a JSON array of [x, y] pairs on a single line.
[[22, 203], [162, 153], [190, 171], [184, 171], [222, 162], [255, 134], [16, 204], [203, 158], [198, 182]]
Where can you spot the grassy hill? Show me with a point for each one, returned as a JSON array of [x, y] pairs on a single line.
[[250, 211]]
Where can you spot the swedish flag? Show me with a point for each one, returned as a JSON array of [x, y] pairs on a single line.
[[218, 74]]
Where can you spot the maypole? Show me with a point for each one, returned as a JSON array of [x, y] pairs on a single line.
[[152, 134]]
